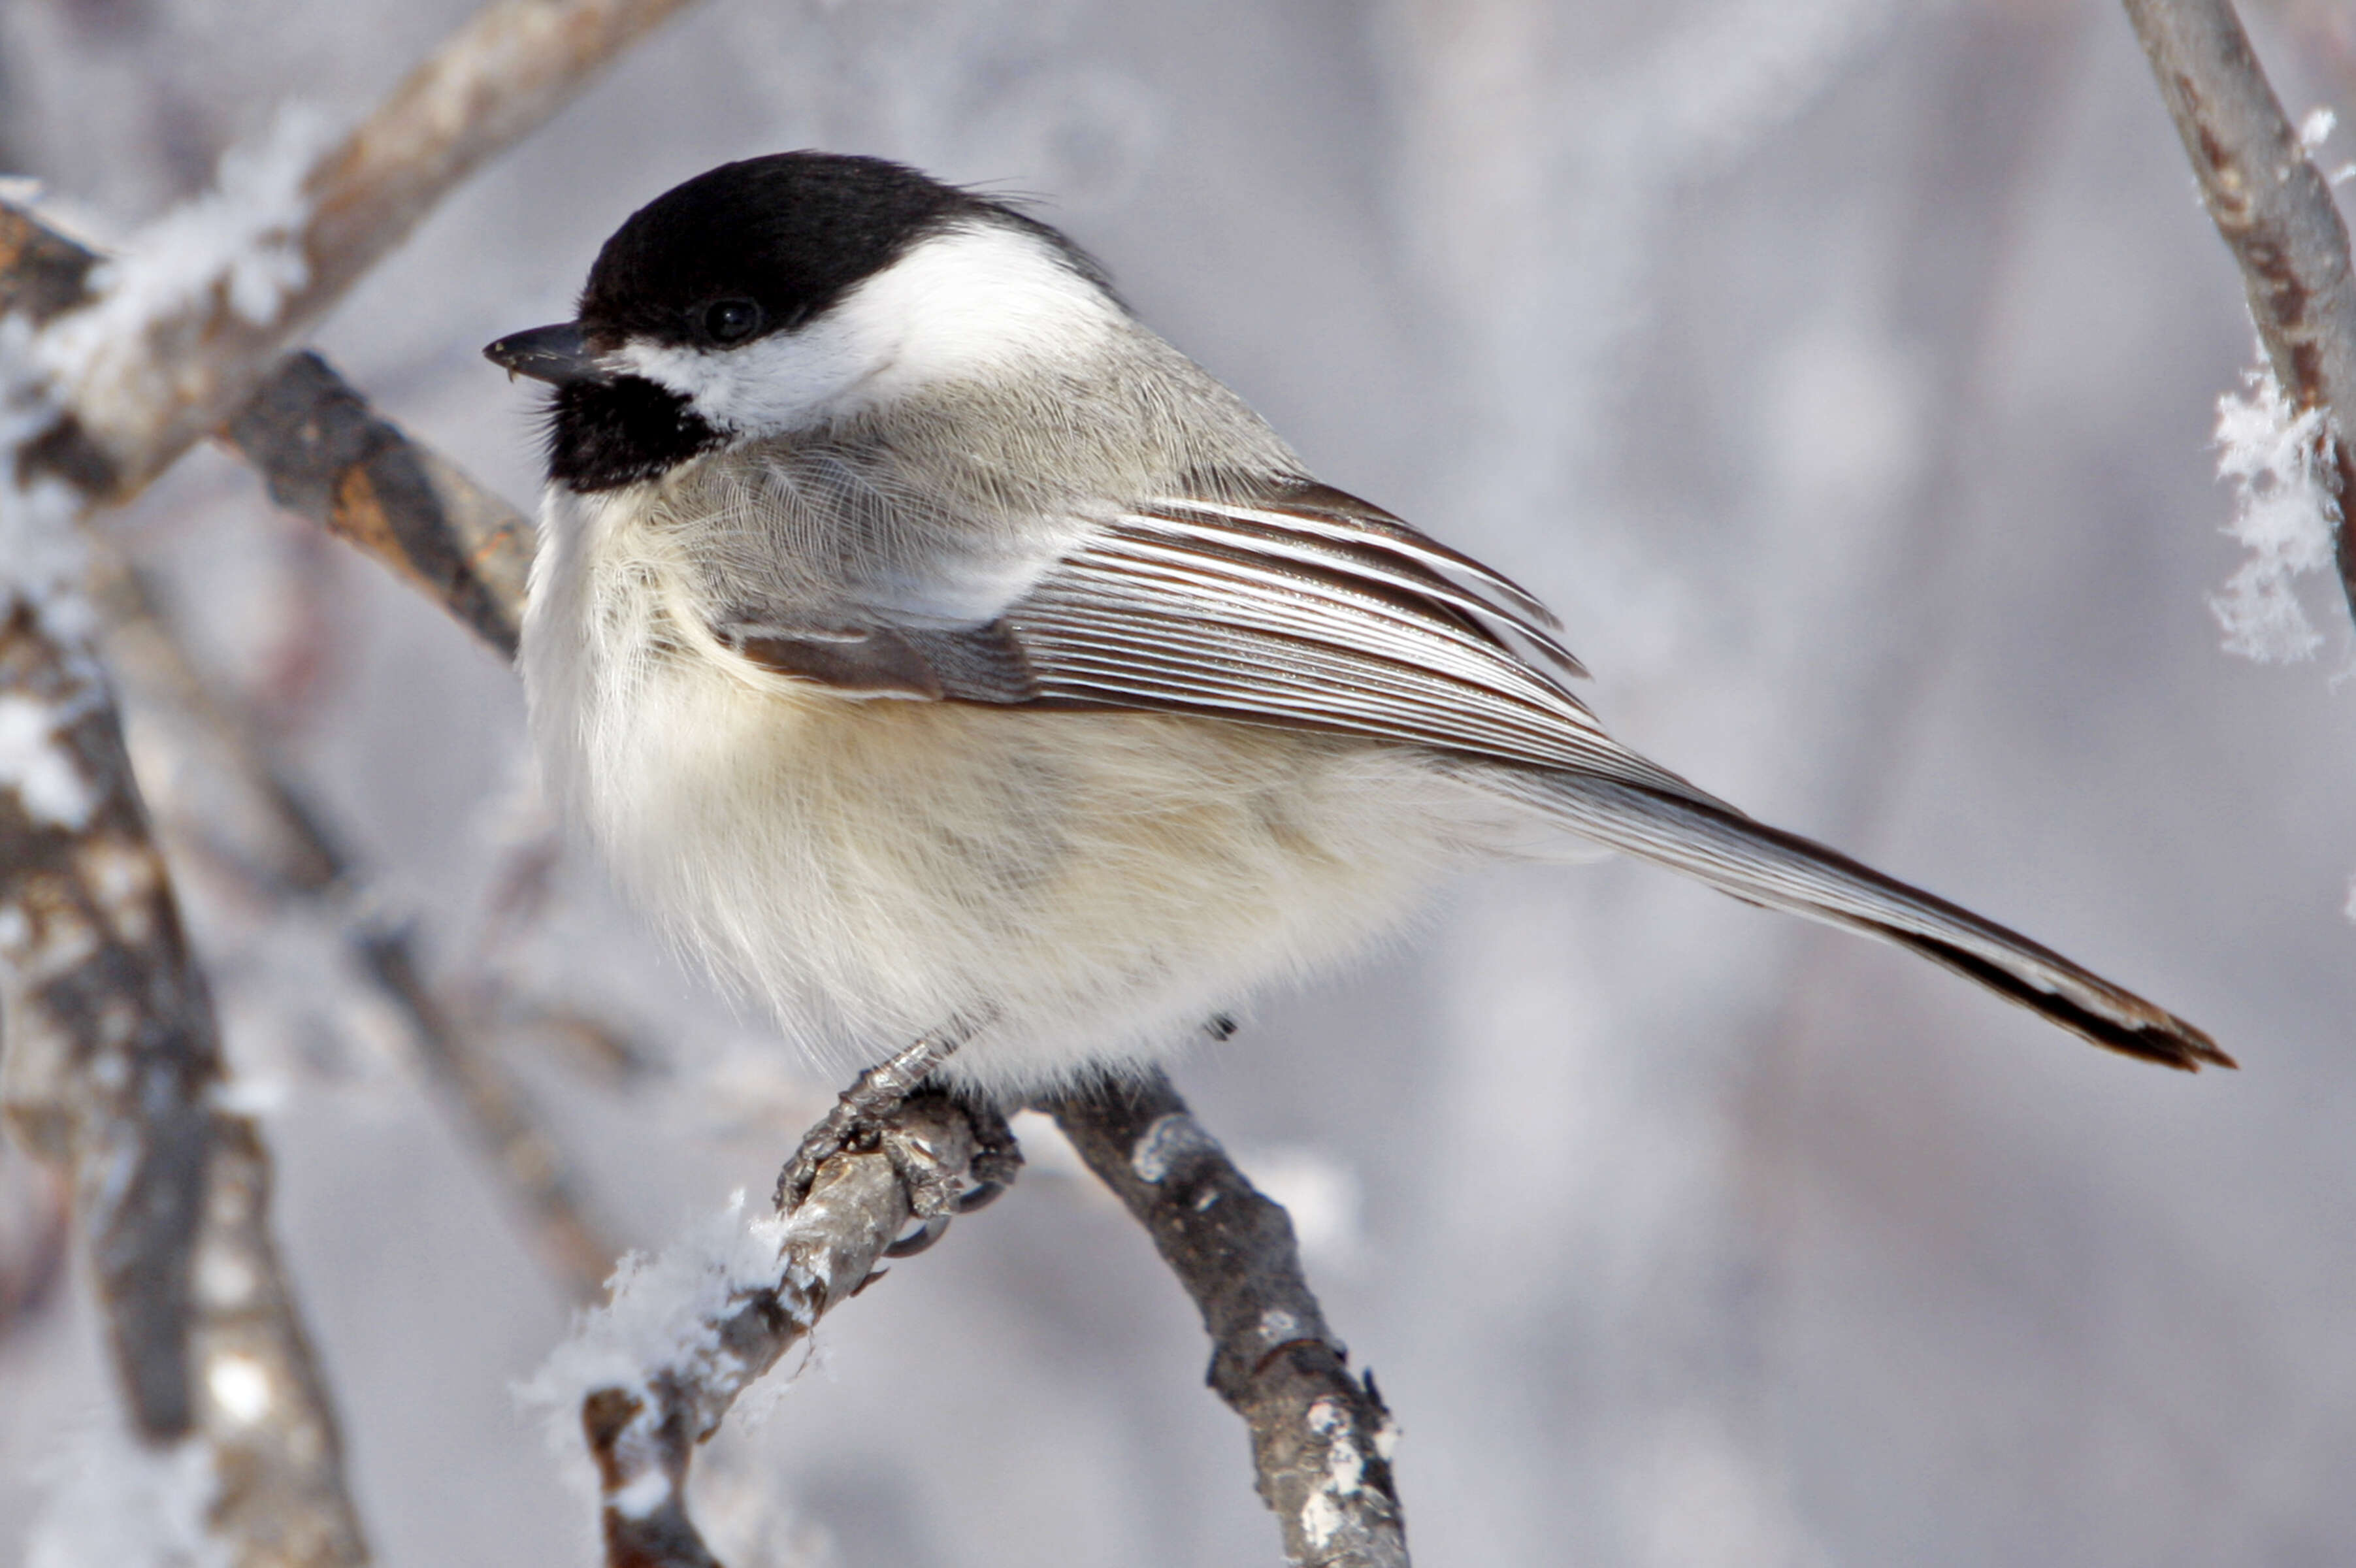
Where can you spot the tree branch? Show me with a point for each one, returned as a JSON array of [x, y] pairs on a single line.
[[1321, 1436], [36, 1230], [153, 369], [112, 1061], [643, 1428], [110, 1073], [329, 457], [325, 456], [2273, 210]]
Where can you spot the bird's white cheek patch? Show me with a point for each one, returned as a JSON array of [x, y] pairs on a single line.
[[788, 380], [971, 303]]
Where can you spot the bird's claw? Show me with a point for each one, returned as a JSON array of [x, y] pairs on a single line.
[[863, 1113], [866, 1117]]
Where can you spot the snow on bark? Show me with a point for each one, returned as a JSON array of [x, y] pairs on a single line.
[[653, 1374], [238, 247]]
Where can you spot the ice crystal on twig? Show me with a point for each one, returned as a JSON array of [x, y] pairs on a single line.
[[2284, 513]]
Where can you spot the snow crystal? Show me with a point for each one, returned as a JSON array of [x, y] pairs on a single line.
[[2284, 513], [661, 1313], [1277, 1327], [225, 1282], [645, 1492], [114, 1502], [1321, 1516], [42, 557], [2315, 130], [243, 237], [1320, 1520]]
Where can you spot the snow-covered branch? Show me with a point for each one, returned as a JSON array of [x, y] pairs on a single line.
[[1321, 1436], [2275, 210], [112, 1070], [654, 1373], [182, 331], [325, 453]]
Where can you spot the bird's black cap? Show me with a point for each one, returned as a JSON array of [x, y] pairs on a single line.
[[736, 253], [791, 233]]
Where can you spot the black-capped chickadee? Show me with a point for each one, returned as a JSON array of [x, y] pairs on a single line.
[[934, 650]]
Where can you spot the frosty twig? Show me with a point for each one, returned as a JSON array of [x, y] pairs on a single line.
[[2275, 212], [715, 1324], [180, 337], [112, 1064], [327, 457], [308, 860]]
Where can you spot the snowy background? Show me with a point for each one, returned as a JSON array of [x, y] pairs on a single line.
[[1844, 371]]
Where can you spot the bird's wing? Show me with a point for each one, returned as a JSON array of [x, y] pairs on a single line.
[[1307, 608], [1300, 606]]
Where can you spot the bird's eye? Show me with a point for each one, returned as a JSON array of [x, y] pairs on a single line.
[[731, 320]]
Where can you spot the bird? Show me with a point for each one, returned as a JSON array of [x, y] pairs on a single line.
[[944, 659]]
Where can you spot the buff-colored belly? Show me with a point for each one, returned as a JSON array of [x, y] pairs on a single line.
[[1079, 886]]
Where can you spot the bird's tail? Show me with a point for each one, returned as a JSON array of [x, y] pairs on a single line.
[[1760, 864]]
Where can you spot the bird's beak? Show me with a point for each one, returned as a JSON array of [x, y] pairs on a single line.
[[558, 355]]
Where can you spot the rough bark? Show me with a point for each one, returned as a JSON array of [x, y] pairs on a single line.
[[643, 1436], [112, 1059]]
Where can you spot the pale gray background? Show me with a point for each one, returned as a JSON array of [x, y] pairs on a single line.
[[1843, 370]]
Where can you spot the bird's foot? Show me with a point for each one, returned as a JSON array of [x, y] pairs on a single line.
[[863, 1113], [866, 1116], [996, 1156]]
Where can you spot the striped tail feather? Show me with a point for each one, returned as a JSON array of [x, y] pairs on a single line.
[[1760, 864]]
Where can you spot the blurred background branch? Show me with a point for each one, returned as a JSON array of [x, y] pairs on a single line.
[[307, 861], [166, 358], [112, 1074], [114, 1068]]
